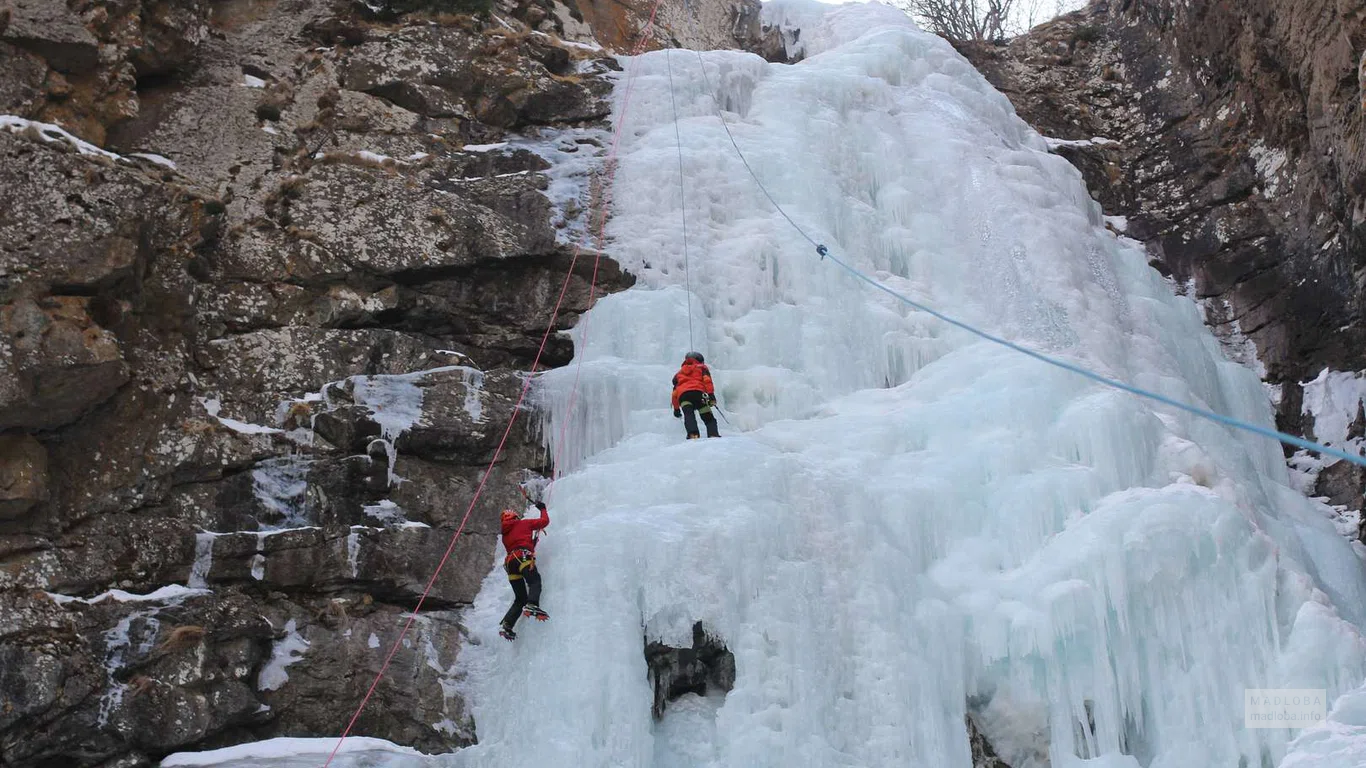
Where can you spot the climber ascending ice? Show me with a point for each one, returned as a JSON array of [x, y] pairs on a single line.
[[519, 539], [694, 394]]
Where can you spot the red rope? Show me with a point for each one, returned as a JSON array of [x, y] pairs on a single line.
[[605, 201], [454, 538]]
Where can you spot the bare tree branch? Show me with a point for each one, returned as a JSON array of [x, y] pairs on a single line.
[[983, 19]]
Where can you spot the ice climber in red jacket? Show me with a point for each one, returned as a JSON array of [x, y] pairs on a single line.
[[519, 539], [694, 394]]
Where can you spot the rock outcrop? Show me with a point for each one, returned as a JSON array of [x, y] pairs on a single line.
[[271, 277], [1235, 154], [698, 24], [706, 668]]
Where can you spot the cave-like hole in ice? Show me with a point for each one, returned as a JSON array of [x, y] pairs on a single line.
[[690, 685]]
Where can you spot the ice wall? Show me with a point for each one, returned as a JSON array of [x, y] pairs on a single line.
[[901, 518]]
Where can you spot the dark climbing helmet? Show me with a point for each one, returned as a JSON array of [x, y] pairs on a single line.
[[694, 356]]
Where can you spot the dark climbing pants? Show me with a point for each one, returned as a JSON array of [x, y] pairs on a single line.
[[692, 404], [526, 586]]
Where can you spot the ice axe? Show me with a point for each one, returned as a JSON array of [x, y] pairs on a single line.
[[527, 496], [533, 480], [717, 408]]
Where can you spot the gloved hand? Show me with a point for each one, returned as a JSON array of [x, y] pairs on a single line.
[[678, 414], [709, 399], [539, 505]]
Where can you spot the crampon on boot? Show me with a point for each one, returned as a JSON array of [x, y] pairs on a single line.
[[535, 612], [506, 632]]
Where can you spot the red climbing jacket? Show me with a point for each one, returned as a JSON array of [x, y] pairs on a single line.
[[692, 377], [519, 534]]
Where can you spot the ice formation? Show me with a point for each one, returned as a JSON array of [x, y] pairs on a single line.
[[287, 752], [118, 640], [203, 560], [901, 519], [156, 159], [161, 594], [281, 485], [1333, 399], [286, 651], [901, 522]]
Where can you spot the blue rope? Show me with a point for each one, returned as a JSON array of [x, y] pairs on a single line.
[[1092, 375], [1203, 413]]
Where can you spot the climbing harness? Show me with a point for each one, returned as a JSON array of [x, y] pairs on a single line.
[[517, 561], [824, 253]]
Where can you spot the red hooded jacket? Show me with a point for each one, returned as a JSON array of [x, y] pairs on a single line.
[[692, 377], [520, 534]]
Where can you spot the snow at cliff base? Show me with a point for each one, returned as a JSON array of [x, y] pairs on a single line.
[[902, 522]]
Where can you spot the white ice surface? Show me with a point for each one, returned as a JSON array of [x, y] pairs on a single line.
[[245, 428], [161, 594], [1339, 742], [286, 651], [386, 512], [213, 406], [900, 517], [165, 162], [1094, 141], [1333, 398], [286, 752]]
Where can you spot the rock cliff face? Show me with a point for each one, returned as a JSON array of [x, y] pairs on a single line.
[[1237, 155], [704, 26], [271, 275]]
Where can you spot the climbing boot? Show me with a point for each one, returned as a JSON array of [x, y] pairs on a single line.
[[693, 437], [506, 632], [535, 612]]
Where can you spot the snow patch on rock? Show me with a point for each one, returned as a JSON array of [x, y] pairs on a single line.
[[286, 651]]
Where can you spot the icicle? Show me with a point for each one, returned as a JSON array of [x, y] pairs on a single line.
[[203, 560], [258, 560], [281, 485], [474, 387], [118, 641], [353, 549]]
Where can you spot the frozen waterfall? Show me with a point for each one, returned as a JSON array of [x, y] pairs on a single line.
[[901, 518], [901, 521]]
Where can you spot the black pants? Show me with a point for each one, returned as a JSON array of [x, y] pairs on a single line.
[[526, 587], [691, 403]]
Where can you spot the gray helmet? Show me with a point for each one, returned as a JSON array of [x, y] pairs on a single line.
[[694, 356]]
